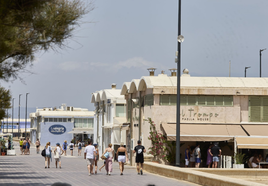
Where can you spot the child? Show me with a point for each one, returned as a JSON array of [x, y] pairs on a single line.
[[102, 165]]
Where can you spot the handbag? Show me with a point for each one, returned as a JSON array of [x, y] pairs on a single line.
[[105, 156]]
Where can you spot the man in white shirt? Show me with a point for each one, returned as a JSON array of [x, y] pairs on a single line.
[[90, 156]]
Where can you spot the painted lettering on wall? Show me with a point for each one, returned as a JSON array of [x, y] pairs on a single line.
[[57, 129], [192, 115]]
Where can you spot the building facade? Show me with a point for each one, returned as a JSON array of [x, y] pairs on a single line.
[[55, 125], [110, 115], [229, 109]]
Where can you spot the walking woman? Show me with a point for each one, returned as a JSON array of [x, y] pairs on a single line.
[[109, 160], [79, 148], [209, 156], [58, 151], [37, 144], [122, 157], [48, 155], [97, 157], [64, 147]]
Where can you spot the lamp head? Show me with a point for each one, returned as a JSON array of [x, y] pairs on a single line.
[[262, 49], [247, 67]]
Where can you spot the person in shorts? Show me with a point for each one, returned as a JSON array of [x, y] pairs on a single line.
[[187, 155], [216, 153], [139, 150], [58, 150], [21, 145], [90, 156], [64, 147], [71, 146], [122, 157], [37, 144], [79, 145], [197, 154], [97, 157]]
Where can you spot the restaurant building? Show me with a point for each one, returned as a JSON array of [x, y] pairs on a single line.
[[231, 110]]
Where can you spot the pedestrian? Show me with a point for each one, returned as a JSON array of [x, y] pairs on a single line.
[[209, 156], [216, 153], [21, 145], [104, 163], [48, 155], [139, 150], [58, 151], [97, 157], [28, 145], [192, 159], [37, 144], [24, 150], [187, 155], [90, 156], [122, 157], [79, 148], [71, 146], [197, 154], [64, 147], [109, 160]]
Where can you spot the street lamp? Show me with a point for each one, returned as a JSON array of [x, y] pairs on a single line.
[[260, 59], [246, 71], [180, 39], [7, 122], [12, 114], [26, 114], [19, 118]]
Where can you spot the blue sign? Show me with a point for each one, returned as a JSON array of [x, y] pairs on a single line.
[[57, 129]]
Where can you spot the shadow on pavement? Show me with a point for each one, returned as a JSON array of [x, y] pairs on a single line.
[[25, 184]]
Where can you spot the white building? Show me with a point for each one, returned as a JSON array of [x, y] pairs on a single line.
[[110, 115], [58, 124]]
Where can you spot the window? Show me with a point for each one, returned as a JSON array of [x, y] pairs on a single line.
[[59, 119], [120, 110], [128, 109], [46, 119], [149, 100], [197, 100], [64, 119], [83, 123], [69, 119], [108, 113], [258, 109], [51, 119]]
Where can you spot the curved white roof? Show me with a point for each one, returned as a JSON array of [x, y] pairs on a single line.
[[93, 97], [99, 96], [125, 88], [112, 94], [134, 85]]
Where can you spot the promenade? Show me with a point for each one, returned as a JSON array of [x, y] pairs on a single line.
[[30, 170]]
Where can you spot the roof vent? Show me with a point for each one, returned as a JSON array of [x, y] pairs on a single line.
[[151, 70], [173, 71], [185, 71], [113, 86]]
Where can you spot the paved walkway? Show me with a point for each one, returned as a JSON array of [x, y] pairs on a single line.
[[30, 170]]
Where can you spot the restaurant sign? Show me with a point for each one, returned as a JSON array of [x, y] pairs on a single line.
[[57, 129]]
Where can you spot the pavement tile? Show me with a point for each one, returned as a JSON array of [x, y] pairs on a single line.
[[30, 170]]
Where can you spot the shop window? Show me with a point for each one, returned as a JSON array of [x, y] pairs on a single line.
[[149, 100], [46, 119], [120, 110], [258, 109], [168, 99]]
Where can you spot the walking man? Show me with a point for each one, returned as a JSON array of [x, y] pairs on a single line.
[[37, 144], [216, 152], [90, 156], [197, 154], [139, 150], [187, 155]]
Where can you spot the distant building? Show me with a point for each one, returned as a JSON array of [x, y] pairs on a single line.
[[55, 125], [110, 116], [18, 126]]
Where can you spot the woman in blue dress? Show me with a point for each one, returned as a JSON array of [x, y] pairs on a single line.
[[64, 147]]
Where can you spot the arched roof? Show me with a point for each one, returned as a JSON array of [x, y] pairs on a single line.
[[111, 94], [125, 88], [134, 85], [99, 96], [162, 80], [93, 97]]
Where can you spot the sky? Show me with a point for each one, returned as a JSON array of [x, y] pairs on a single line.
[[120, 39]]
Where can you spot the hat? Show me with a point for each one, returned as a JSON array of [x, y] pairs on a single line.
[[95, 144], [58, 144]]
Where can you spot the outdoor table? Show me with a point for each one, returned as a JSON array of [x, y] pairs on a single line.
[[263, 162]]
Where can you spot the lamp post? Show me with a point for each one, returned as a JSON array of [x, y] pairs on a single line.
[[7, 122], [12, 114], [260, 59], [180, 40], [26, 114], [19, 118], [246, 71]]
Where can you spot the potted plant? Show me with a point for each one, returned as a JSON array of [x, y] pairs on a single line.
[[239, 159]]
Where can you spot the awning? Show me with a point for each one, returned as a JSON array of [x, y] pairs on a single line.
[[87, 131], [201, 132], [256, 130], [252, 142], [109, 126], [119, 120], [7, 134], [22, 130]]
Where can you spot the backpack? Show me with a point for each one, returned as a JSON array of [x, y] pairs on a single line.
[[43, 153], [80, 145], [71, 146], [65, 145]]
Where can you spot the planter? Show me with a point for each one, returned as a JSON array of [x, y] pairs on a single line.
[[3, 153], [238, 166], [11, 152]]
